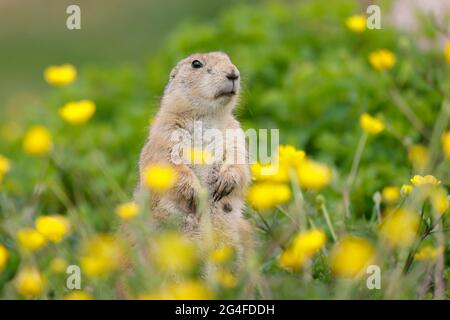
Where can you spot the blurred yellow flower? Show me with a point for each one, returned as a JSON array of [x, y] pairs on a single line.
[[370, 125], [4, 255], [303, 247], [222, 254], [313, 175], [37, 141], [53, 227], [428, 253], [266, 195], [197, 156], [60, 75], [77, 112], [382, 59], [391, 194], [445, 139], [101, 255], [400, 227], [128, 210], [160, 178], [356, 23], [58, 265], [174, 253], [440, 200], [419, 156], [350, 257], [5, 166], [270, 172], [428, 180], [189, 290], [31, 239], [290, 156], [447, 52], [78, 295], [225, 278], [406, 189], [30, 282]]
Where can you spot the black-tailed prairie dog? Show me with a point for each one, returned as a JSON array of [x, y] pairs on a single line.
[[202, 92]]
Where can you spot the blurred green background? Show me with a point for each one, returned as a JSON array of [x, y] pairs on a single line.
[[33, 34]]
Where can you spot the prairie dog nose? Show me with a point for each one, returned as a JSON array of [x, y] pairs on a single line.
[[233, 75]]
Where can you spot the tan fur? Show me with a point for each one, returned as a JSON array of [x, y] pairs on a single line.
[[191, 95]]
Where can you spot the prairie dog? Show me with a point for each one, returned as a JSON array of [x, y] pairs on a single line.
[[202, 91]]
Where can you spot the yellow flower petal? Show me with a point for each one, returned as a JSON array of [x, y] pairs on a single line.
[[313, 175], [160, 178], [356, 23], [350, 257], [60, 75], [382, 59], [53, 227], [78, 112], [370, 124], [38, 141], [30, 282]]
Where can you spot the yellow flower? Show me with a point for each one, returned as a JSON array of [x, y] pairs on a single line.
[[304, 246], [428, 180], [222, 254], [447, 52], [77, 112], [313, 175], [445, 139], [60, 75], [399, 228], [37, 141], [391, 194], [172, 252], [350, 257], [270, 172], [356, 23], [418, 155], [290, 156], [189, 290], [406, 189], [382, 59], [440, 201], [226, 278], [127, 211], [31, 239], [4, 255], [78, 295], [5, 165], [30, 282], [101, 255], [428, 253], [370, 125], [160, 178], [58, 265], [266, 195], [197, 156], [53, 227]]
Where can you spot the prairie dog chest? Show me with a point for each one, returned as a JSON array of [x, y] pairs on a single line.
[[207, 135]]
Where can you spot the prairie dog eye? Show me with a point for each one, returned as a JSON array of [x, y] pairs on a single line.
[[196, 64]]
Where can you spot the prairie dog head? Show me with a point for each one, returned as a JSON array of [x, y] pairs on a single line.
[[208, 81]]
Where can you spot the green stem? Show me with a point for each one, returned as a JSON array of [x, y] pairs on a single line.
[[324, 210], [353, 172]]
